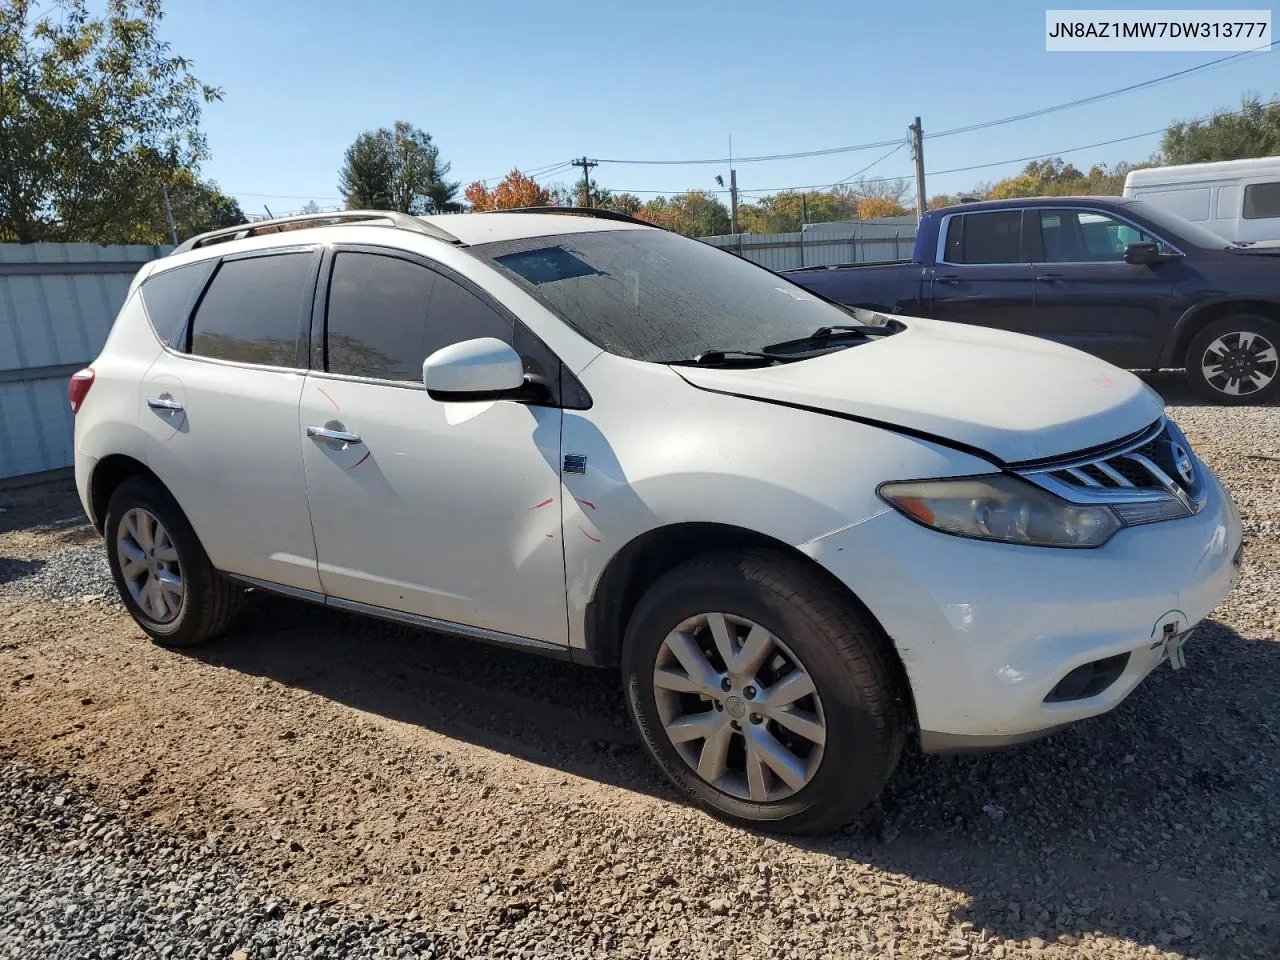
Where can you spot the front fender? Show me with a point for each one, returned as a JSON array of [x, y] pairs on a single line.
[[691, 456]]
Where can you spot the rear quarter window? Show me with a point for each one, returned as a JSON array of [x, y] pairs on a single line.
[[169, 296]]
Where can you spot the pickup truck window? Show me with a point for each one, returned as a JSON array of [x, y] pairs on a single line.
[[1261, 201], [1086, 236], [985, 237]]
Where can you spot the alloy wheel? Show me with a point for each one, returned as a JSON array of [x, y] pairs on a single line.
[[1240, 363], [149, 565], [739, 707]]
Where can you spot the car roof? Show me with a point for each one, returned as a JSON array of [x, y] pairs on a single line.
[[473, 228], [1033, 202]]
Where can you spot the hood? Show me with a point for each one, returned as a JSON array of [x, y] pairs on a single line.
[[1263, 248], [1016, 397]]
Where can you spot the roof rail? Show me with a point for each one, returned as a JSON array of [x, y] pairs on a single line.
[[595, 212], [389, 218]]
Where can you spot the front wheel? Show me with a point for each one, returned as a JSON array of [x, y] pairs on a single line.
[[762, 692], [1234, 360]]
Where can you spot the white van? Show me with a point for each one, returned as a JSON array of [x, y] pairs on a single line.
[[1237, 199]]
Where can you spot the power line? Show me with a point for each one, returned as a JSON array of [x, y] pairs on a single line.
[[1120, 91], [986, 124], [975, 166], [873, 163]]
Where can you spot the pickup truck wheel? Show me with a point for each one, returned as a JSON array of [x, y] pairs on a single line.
[[1234, 360], [164, 576], [762, 692]]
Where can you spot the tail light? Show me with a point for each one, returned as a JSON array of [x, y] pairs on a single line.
[[78, 388]]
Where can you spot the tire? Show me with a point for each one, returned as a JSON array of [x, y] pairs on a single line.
[[846, 658], [208, 601], [1246, 342]]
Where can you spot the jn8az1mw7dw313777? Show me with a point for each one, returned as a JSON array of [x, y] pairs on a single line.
[[802, 533]]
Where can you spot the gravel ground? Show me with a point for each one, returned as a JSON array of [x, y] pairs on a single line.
[[419, 793], [77, 880]]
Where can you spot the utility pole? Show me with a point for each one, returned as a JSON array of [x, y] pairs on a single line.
[[733, 201], [586, 166], [917, 150], [168, 215]]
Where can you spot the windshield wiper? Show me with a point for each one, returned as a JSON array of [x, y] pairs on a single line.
[[722, 358], [823, 335]]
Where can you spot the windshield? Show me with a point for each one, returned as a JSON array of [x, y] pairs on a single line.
[[1181, 227], [655, 296]]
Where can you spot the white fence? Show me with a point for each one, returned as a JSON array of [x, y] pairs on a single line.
[[823, 244], [57, 302]]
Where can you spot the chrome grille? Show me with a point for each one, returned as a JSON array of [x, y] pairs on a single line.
[[1155, 465]]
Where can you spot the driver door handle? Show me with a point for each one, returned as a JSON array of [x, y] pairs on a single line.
[[332, 435]]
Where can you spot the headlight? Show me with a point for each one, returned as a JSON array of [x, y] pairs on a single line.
[[1001, 507]]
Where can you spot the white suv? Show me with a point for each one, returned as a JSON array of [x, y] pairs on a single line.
[[802, 532]]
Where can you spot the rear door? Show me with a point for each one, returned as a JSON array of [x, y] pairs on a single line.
[[1088, 297], [982, 275], [220, 405]]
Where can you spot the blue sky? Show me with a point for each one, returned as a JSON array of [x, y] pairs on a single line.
[[533, 84]]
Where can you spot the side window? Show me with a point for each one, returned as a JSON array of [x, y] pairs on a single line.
[[252, 311], [386, 315], [377, 317], [1071, 236], [457, 314], [985, 237], [169, 296], [1262, 201]]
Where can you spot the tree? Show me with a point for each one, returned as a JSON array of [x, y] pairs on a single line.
[[1253, 131], [872, 208], [515, 190], [396, 169], [692, 214], [95, 113], [310, 207]]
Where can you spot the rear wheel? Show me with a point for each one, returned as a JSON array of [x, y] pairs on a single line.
[[762, 692], [1234, 360], [162, 572]]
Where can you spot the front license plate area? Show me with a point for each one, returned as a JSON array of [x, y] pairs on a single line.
[[1174, 648]]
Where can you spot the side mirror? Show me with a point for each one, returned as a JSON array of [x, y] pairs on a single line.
[[480, 369], [1143, 253]]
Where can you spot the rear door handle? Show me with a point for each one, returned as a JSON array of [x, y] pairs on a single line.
[[332, 434], [164, 402]]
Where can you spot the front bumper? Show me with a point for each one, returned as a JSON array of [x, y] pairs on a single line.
[[987, 630]]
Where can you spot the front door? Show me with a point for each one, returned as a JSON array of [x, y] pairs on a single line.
[[221, 407], [982, 276], [449, 511], [1088, 297]]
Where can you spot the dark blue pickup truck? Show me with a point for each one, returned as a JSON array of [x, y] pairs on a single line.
[[1125, 281]]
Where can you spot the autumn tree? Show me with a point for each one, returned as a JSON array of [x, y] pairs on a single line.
[[515, 190], [96, 114], [692, 214], [396, 169], [1252, 131], [874, 208]]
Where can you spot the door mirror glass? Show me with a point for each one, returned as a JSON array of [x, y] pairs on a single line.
[[480, 369], [1144, 252]]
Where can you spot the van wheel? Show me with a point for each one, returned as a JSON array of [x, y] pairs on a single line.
[[163, 574], [1234, 360], [762, 692]]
